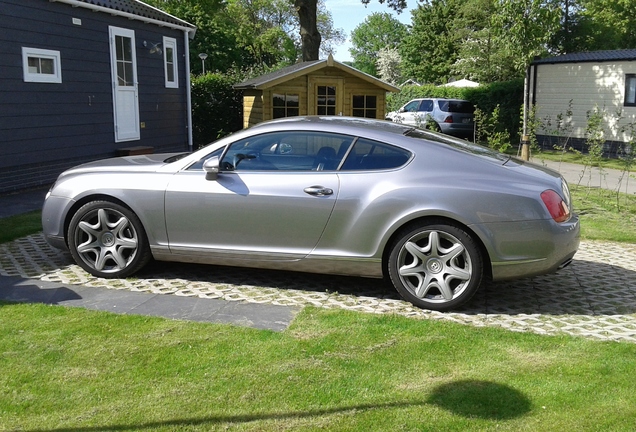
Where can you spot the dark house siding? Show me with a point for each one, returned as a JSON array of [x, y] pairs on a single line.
[[48, 127]]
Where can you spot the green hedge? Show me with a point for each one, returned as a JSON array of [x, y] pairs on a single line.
[[217, 109], [508, 95]]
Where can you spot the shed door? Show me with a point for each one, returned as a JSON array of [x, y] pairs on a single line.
[[327, 96], [123, 62]]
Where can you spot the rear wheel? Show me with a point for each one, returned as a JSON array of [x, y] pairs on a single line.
[[108, 240], [435, 266]]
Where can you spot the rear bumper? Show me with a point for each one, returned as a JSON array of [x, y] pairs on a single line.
[[532, 248], [458, 129]]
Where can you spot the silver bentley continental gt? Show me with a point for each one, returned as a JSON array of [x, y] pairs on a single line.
[[433, 215]]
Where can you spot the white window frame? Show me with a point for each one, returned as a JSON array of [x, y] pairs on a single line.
[[170, 43], [55, 77]]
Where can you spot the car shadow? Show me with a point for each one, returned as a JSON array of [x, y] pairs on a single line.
[[583, 288]]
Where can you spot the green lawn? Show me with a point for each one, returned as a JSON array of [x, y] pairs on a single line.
[[69, 369]]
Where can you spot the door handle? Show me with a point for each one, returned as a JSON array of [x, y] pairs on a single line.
[[318, 190]]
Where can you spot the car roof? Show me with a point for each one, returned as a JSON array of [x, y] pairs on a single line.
[[344, 124]]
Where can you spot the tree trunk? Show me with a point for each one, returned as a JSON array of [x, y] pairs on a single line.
[[309, 35]]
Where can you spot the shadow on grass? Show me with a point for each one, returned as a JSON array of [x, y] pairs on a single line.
[[471, 399], [480, 399]]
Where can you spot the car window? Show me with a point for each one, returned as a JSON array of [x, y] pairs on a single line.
[[462, 107], [412, 106], [457, 143], [287, 151], [373, 155], [427, 105]]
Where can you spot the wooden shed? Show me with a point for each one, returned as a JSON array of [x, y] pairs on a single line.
[[320, 87]]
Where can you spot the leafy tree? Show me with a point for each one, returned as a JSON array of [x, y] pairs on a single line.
[[264, 28], [309, 32], [432, 46], [244, 33], [606, 25], [378, 31], [215, 33], [499, 38]]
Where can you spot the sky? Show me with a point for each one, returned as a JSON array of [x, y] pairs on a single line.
[[348, 14]]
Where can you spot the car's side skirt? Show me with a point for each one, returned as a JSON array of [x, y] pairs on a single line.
[[345, 266]]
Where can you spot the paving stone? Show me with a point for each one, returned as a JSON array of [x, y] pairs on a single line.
[[595, 297]]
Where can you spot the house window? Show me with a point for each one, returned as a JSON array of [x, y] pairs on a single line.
[[285, 105], [630, 90], [365, 106], [170, 62], [326, 102], [41, 65]]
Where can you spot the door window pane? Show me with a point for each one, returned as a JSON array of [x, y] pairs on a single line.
[[123, 51], [326, 100], [287, 151]]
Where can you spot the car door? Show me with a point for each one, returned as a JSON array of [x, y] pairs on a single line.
[[409, 112], [424, 113], [271, 200]]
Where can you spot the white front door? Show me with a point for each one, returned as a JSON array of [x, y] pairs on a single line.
[[123, 61]]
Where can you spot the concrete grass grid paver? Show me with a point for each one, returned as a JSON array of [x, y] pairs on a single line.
[[594, 297]]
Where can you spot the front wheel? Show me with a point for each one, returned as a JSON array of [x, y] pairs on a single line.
[[435, 266], [108, 240]]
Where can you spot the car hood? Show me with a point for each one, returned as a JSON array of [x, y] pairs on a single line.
[[141, 163]]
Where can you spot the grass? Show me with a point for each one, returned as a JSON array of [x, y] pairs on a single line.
[[577, 158], [68, 369], [14, 227], [605, 215]]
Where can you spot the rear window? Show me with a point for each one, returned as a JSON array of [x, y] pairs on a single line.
[[462, 107], [457, 143]]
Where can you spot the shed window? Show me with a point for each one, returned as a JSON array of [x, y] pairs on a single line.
[[170, 62], [630, 90], [41, 65], [285, 105], [365, 106]]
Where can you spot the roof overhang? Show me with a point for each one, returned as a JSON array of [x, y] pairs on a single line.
[[178, 23]]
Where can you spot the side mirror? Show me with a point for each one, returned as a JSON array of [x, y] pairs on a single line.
[[401, 110], [211, 168]]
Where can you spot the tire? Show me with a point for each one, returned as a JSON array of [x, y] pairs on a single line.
[[432, 126], [108, 240], [435, 266]]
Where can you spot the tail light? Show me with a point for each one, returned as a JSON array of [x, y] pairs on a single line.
[[448, 119], [558, 208]]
